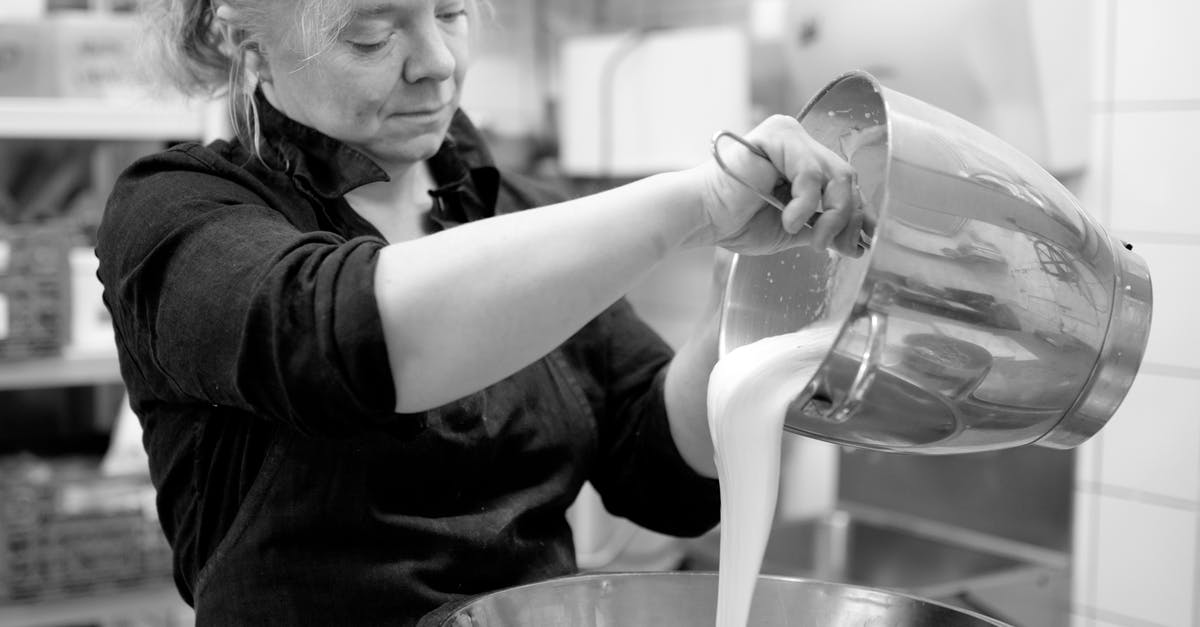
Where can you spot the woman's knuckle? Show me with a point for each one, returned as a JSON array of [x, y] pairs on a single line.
[[779, 119], [843, 174]]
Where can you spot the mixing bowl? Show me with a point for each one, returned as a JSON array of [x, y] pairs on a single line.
[[688, 599]]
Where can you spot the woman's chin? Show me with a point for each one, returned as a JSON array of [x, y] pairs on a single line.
[[405, 153]]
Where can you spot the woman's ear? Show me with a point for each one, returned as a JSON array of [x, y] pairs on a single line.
[[233, 44], [222, 24], [256, 64]]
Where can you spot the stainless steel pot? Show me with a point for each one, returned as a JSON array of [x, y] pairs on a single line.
[[990, 310], [688, 599]]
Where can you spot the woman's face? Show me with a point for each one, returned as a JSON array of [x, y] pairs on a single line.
[[389, 84]]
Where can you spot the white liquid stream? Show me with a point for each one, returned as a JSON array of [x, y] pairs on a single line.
[[749, 391]]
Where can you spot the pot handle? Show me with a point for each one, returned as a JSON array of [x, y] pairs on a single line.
[[867, 367]]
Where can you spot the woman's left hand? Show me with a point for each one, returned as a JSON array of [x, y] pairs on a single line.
[[819, 180]]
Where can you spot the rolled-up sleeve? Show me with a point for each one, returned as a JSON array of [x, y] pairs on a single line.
[[639, 473], [218, 298]]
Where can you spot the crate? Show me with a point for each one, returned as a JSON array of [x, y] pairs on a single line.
[[69, 533], [25, 65], [96, 55], [74, 54], [35, 276]]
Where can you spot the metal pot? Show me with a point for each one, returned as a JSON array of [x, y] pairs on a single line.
[[990, 310], [671, 599]]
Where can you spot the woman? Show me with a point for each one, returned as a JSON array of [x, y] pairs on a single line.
[[372, 371]]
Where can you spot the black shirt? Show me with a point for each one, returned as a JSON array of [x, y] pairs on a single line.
[[241, 291]]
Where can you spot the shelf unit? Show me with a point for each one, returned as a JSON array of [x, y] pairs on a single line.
[[108, 119], [128, 119], [160, 600], [66, 371], [105, 120]]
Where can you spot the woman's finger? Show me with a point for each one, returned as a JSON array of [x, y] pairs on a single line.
[[846, 242], [807, 192]]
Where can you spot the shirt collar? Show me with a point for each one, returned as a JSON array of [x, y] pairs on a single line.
[[463, 169]]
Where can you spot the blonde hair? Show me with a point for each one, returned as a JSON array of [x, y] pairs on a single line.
[[193, 55]]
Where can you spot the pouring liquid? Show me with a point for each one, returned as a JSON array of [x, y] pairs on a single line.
[[749, 391]]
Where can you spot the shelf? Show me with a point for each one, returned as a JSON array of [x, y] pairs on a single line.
[[98, 118], [117, 606], [51, 372]]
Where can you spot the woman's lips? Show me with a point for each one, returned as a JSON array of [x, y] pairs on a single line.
[[422, 112]]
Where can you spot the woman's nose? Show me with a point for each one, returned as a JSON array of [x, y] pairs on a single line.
[[429, 56]]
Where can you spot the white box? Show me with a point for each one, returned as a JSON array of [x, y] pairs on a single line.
[[91, 330], [26, 59], [1021, 70], [97, 55], [634, 104]]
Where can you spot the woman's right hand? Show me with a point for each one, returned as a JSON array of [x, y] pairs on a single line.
[[819, 181]]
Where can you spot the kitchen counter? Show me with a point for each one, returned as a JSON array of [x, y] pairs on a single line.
[[1012, 582]]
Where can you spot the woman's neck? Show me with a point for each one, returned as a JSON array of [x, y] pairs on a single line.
[[396, 207]]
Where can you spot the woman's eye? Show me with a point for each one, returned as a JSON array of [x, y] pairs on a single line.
[[450, 16], [369, 46]]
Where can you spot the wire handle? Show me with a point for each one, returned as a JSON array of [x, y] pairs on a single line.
[[754, 150], [864, 240]]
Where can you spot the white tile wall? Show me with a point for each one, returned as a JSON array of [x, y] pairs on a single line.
[[1145, 565], [1152, 445], [1156, 49], [1174, 333], [1102, 50], [1136, 557], [1155, 155]]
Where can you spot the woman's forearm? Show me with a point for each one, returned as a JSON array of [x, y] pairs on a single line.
[[466, 307], [686, 401]]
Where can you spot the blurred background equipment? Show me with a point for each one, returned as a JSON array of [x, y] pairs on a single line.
[[68, 530], [80, 542], [1020, 69], [647, 100]]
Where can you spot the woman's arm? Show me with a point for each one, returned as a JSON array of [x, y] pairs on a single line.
[[685, 392], [466, 307], [685, 389]]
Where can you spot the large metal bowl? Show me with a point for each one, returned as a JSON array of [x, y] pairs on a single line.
[[670, 599], [991, 310]]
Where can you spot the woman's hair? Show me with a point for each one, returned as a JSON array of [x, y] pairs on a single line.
[[194, 55]]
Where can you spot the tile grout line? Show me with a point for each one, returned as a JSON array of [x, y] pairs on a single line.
[[1093, 574], [1117, 618], [1170, 370], [1181, 105], [1142, 497], [1107, 126], [1196, 567], [1137, 237]]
